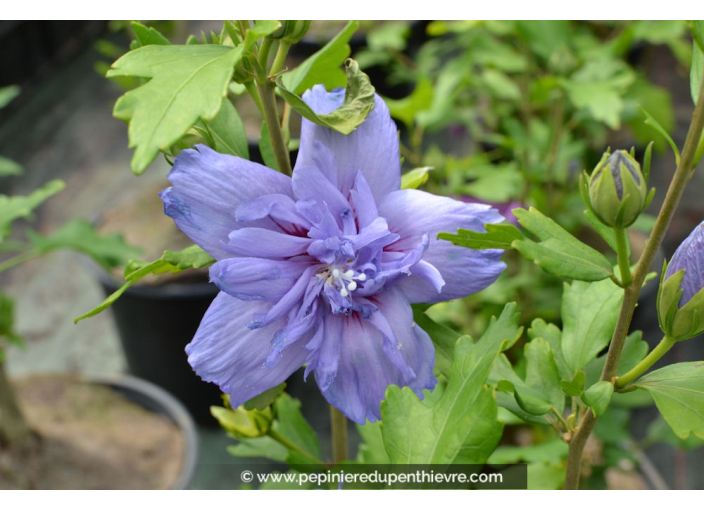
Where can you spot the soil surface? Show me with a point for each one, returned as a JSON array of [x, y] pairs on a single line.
[[90, 437]]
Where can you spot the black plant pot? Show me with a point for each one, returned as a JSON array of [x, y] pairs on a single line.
[[154, 324], [157, 400]]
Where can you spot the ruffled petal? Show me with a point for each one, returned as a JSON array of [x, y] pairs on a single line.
[[369, 358], [226, 352], [413, 213], [250, 278], [372, 148], [207, 189], [261, 242]]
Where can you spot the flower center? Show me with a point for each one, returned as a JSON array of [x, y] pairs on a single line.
[[344, 281]]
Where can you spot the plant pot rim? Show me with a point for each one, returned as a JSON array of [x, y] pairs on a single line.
[[157, 400]]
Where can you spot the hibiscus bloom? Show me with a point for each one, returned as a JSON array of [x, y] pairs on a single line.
[[321, 269]]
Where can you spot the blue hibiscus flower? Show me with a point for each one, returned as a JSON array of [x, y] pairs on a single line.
[[321, 269]]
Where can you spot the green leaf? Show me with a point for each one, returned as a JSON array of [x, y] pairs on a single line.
[[678, 391], [358, 102], [499, 236], [291, 425], [598, 397], [187, 83], [227, 131], [697, 71], [9, 167], [12, 208], [542, 374], [7, 94], [406, 109], [531, 403], [415, 178], [507, 381], [79, 235], [552, 334], [589, 314], [575, 387], [650, 120], [559, 252], [170, 262], [660, 431], [634, 350], [261, 28], [264, 447], [600, 99], [148, 35], [444, 340], [546, 476], [371, 451], [323, 67], [550, 451], [265, 399], [460, 424]]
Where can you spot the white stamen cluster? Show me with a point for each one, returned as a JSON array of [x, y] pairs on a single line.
[[345, 280]]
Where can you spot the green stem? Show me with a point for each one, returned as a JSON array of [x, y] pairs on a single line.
[[254, 92], [280, 58], [624, 264], [657, 353], [264, 49], [18, 259], [338, 423], [291, 446], [630, 294], [271, 116]]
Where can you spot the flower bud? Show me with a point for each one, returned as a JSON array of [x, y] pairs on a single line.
[[242, 423], [291, 30], [617, 189], [680, 298]]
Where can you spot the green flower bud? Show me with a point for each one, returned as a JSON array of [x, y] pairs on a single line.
[[617, 189], [241, 423], [291, 30], [681, 293]]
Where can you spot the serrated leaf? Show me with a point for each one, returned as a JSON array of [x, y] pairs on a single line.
[[79, 235], [358, 102], [575, 387], [415, 178], [187, 83], [542, 374], [659, 430], [170, 262], [148, 35], [552, 334], [461, 425], [371, 451], [598, 397], [291, 425], [506, 381], [444, 340], [497, 236], [589, 314], [9, 167], [323, 67], [678, 391], [227, 131], [559, 252], [12, 208]]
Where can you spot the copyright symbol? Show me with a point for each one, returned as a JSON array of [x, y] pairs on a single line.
[[247, 476]]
